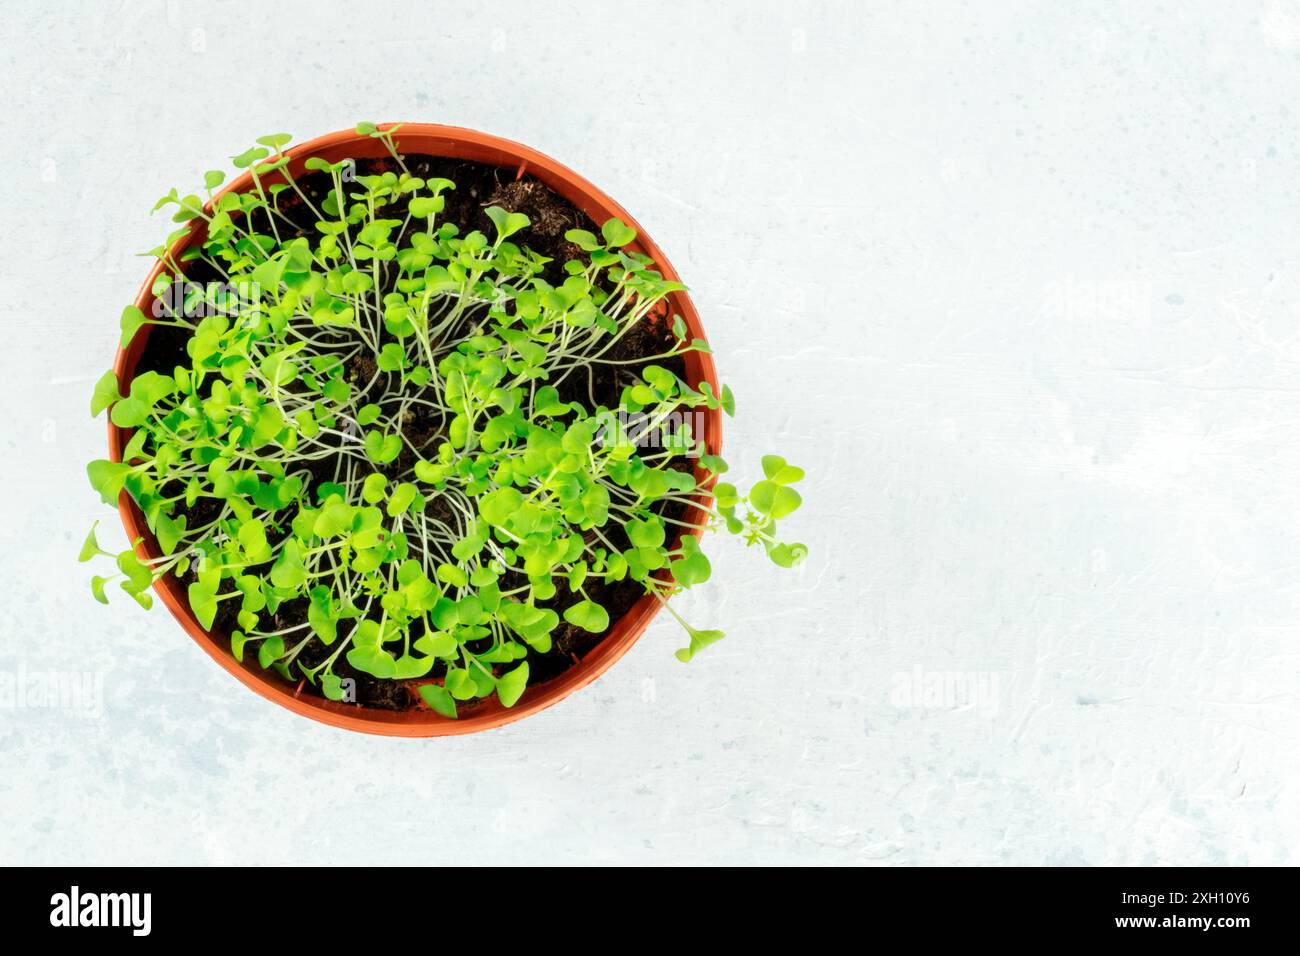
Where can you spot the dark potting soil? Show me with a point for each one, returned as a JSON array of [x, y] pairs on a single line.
[[478, 186]]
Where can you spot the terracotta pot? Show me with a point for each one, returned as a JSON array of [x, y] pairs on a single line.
[[453, 143]]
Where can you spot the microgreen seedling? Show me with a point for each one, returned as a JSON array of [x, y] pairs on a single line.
[[448, 561]]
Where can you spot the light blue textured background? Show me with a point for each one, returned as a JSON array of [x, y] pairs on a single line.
[[1018, 283]]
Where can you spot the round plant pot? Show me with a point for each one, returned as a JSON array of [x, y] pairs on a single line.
[[514, 159]]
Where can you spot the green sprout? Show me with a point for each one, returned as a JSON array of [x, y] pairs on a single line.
[[436, 561]]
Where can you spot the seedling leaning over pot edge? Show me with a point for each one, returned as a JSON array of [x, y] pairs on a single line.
[[437, 561]]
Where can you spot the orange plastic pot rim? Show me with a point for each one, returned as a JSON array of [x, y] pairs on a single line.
[[453, 143]]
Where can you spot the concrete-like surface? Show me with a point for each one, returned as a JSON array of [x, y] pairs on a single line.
[[1018, 284]]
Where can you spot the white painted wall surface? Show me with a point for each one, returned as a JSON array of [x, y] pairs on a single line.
[[1017, 283]]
